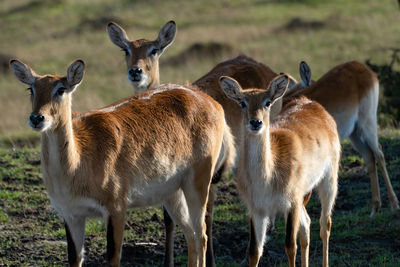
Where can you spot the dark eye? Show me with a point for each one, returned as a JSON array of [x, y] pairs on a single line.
[[243, 104], [154, 51], [126, 52], [61, 91], [267, 103]]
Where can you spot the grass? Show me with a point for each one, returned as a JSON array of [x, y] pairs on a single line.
[[48, 35], [33, 234]]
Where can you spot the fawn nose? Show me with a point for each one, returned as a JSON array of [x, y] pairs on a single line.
[[36, 119], [135, 74], [255, 124]]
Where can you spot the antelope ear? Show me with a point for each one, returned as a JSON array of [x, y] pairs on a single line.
[[305, 74], [278, 87], [166, 35], [23, 72], [231, 88], [292, 81], [118, 35], [75, 74]]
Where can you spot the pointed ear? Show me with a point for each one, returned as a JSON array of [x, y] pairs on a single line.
[[305, 74], [278, 87], [75, 74], [166, 35], [118, 35], [23, 72], [231, 88]]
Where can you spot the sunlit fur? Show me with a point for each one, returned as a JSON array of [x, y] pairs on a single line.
[[157, 147], [139, 53], [282, 163], [350, 93]]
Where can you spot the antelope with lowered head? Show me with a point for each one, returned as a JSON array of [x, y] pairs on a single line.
[[350, 93], [161, 146], [281, 162]]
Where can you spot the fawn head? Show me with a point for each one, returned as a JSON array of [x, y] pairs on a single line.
[[142, 55], [255, 103], [49, 94]]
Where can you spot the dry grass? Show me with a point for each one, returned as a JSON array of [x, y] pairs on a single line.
[[49, 35]]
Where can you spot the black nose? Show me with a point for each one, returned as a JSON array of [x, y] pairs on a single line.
[[135, 74], [256, 124], [36, 118]]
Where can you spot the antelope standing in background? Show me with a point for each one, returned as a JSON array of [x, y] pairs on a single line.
[[281, 162], [350, 93], [142, 55], [142, 59], [161, 146], [246, 70]]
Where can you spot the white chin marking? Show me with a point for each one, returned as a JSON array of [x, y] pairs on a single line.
[[43, 126], [140, 86], [252, 131]]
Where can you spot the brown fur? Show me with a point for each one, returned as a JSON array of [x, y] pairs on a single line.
[[280, 162], [105, 153], [248, 72], [139, 55], [350, 92]]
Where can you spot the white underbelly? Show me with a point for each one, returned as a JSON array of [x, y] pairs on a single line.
[[77, 208], [156, 191]]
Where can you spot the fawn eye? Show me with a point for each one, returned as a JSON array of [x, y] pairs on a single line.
[[243, 104], [153, 51], [267, 103], [126, 51], [61, 91]]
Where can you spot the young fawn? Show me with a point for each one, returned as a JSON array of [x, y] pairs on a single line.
[[281, 162], [161, 146], [350, 93]]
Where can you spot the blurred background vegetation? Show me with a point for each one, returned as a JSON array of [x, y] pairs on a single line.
[[50, 34]]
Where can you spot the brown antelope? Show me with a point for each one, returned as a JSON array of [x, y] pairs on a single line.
[[142, 59], [246, 70], [142, 55], [281, 162], [350, 93], [161, 146]]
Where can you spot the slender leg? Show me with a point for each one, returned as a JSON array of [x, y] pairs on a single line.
[[258, 228], [380, 158], [292, 227], [369, 158], [210, 260], [75, 232], [196, 191], [178, 210], [115, 235], [304, 233], [169, 240], [327, 191], [366, 133]]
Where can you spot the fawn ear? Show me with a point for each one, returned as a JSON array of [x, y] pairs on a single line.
[[278, 87], [231, 88], [23, 72], [118, 36], [75, 74], [166, 35], [305, 74]]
